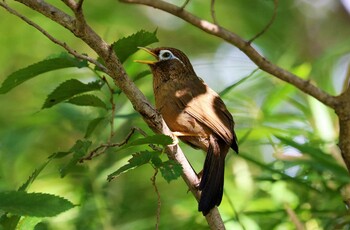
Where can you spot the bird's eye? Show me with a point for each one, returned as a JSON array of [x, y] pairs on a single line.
[[165, 55]]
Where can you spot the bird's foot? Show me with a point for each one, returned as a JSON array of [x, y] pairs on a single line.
[[175, 136], [175, 139]]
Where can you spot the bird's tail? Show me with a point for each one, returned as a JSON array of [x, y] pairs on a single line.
[[212, 182]]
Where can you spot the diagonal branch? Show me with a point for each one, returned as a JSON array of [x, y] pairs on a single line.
[[244, 46], [114, 69]]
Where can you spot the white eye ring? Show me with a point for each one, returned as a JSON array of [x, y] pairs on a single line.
[[166, 55]]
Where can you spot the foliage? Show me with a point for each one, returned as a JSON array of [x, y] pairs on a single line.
[[288, 162]]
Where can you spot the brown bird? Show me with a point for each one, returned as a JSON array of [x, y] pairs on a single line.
[[196, 114]]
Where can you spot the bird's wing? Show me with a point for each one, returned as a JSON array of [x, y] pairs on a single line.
[[208, 108]]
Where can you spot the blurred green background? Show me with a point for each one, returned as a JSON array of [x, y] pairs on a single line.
[[274, 183]]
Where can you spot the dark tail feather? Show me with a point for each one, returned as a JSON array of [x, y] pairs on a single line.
[[212, 182]]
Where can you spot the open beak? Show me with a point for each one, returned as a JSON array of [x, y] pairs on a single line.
[[149, 62]]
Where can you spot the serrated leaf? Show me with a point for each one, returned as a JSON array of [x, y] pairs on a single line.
[[92, 126], [27, 73], [79, 150], [137, 160], [33, 204], [87, 100], [68, 89], [126, 46], [170, 170]]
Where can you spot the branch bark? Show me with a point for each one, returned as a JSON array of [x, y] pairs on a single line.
[[114, 68]]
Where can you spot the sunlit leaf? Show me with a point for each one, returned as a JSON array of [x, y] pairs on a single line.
[[33, 204], [54, 63], [30, 222]]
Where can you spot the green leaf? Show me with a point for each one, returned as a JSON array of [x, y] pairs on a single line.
[[229, 88], [137, 160], [87, 100], [79, 144], [22, 75], [284, 176], [125, 47], [170, 170], [68, 89], [9, 222], [141, 75], [92, 126], [33, 204], [79, 150], [156, 161], [157, 139], [29, 222]]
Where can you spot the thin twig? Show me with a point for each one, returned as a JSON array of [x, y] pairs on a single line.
[[184, 5], [237, 218], [111, 100], [97, 151], [212, 10], [294, 218], [159, 203], [103, 147], [268, 24], [54, 40]]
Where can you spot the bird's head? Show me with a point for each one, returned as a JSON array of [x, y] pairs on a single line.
[[167, 60]]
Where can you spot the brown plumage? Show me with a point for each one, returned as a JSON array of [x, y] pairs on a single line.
[[198, 116]]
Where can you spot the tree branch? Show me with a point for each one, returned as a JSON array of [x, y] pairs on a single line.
[[244, 46], [114, 69]]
